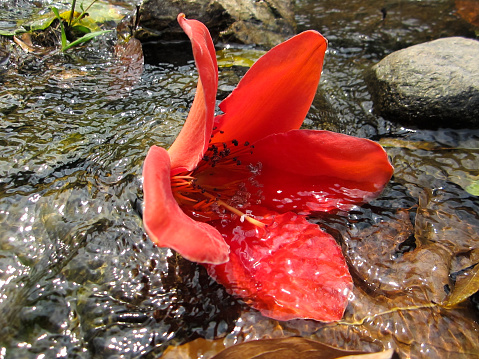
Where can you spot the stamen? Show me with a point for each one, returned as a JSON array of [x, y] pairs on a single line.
[[198, 199], [180, 184], [186, 187], [200, 204], [180, 196]]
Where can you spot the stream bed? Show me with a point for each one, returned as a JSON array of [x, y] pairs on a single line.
[[80, 279]]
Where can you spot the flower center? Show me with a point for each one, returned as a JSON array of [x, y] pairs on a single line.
[[217, 185]]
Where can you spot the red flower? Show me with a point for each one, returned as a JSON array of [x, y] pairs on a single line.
[[233, 190]]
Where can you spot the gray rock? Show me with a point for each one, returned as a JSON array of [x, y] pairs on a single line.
[[434, 84], [261, 22]]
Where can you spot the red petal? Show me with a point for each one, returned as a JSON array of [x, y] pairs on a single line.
[[294, 270], [191, 143], [276, 93], [307, 170], [165, 222]]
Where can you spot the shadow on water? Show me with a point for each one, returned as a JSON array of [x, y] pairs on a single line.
[[79, 278]]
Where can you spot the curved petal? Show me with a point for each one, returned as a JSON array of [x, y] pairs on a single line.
[[308, 171], [191, 143], [165, 222], [276, 93], [292, 270]]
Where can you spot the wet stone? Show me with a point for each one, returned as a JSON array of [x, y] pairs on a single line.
[[264, 23], [431, 85]]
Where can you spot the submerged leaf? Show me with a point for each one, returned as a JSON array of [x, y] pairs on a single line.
[[466, 286], [401, 280], [238, 57], [412, 145], [198, 348], [294, 347], [473, 188], [127, 70], [103, 11], [415, 331]]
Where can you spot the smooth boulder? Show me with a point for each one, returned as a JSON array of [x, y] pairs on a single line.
[[431, 85]]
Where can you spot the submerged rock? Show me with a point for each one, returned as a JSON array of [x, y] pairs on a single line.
[[434, 84], [264, 22]]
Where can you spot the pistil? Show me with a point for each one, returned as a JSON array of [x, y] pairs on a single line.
[[243, 216]]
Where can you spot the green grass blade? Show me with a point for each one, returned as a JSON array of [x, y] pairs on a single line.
[[64, 35], [86, 38]]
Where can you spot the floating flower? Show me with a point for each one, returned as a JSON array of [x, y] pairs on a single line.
[[232, 192]]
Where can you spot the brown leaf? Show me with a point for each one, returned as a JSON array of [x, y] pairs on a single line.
[[130, 54], [386, 354], [293, 347], [443, 219], [198, 348], [396, 302], [427, 331], [412, 145], [468, 10], [128, 68], [373, 252], [466, 285]]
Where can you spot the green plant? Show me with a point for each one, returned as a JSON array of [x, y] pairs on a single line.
[[73, 23]]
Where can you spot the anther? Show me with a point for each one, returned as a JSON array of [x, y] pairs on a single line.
[[235, 142], [214, 149], [246, 143]]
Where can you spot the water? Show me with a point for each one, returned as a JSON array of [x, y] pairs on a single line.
[[79, 278]]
